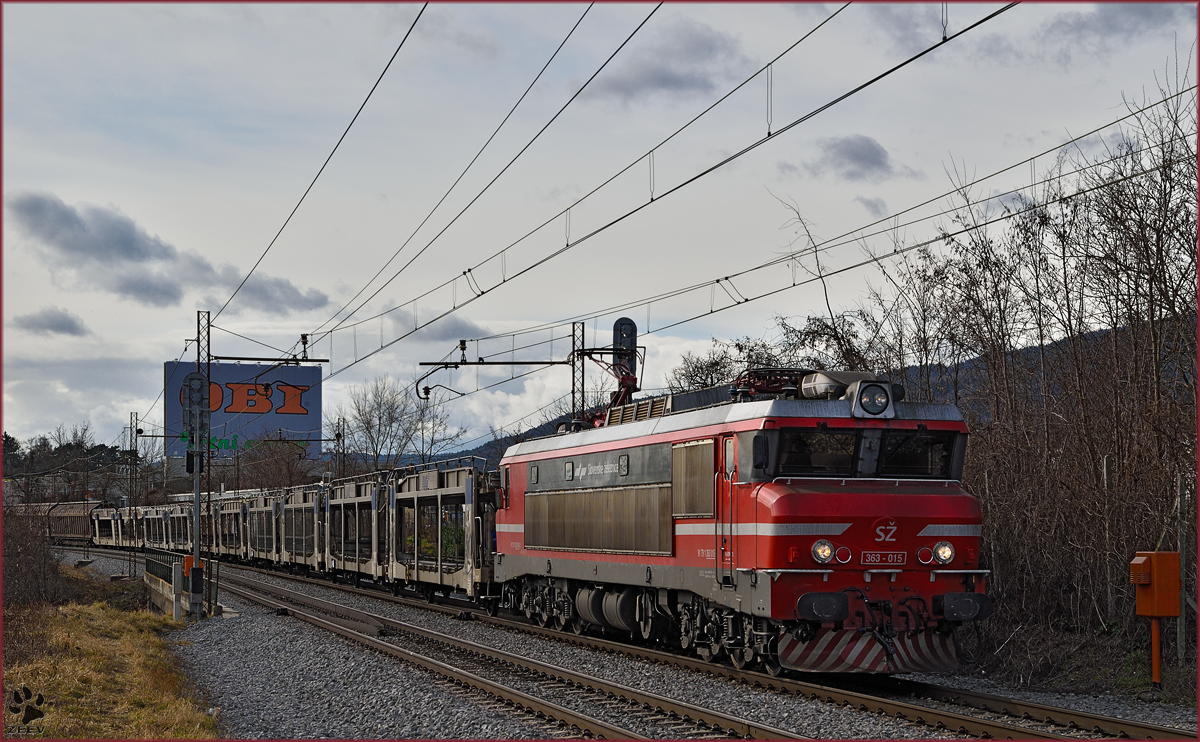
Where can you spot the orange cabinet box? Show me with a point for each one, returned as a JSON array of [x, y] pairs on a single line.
[[1155, 574]]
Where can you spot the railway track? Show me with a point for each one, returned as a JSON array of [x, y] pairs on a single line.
[[898, 698], [1004, 718], [558, 693]]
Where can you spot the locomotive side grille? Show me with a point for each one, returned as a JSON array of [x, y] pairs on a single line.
[[627, 519], [692, 478], [642, 409]]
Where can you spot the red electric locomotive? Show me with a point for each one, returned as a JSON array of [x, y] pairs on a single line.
[[815, 521]]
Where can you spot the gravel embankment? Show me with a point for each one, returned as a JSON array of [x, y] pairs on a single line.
[[106, 565], [275, 677]]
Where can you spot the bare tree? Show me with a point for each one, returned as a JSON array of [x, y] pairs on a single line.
[[381, 421], [433, 433], [277, 463]]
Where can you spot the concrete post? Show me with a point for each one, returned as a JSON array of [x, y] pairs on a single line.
[[177, 588]]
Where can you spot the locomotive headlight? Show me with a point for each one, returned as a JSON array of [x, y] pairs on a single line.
[[822, 551], [873, 399], [943, 552]]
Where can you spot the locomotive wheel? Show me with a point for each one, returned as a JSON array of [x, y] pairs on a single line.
[[542, 619], [741, 657], [709, 652], [577, 626], [772, 666]]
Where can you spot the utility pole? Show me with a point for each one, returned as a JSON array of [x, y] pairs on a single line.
[[204, 358], [198, 396], [133, 455], [578, 401], [339, 437], [1106, 481], [1180, 536]]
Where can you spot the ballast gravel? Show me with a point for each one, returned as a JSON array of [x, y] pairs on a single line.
[[802, 716], [276, 677], [1106, 704], [105, 565]]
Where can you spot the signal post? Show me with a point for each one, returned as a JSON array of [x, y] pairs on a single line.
[[197, 416]]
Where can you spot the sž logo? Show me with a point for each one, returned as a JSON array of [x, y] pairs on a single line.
[[885, 530]]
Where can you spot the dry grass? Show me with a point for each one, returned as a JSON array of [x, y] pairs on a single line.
[[105, 673]]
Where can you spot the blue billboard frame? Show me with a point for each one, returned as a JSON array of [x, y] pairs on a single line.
[[250, 403]]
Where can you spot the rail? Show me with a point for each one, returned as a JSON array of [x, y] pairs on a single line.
[[361, 626]]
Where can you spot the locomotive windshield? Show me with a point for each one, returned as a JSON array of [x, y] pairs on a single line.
[[809, 451], [887, 454], [913, 453]]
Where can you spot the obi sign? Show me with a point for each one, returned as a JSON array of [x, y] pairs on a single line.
[[249, 403]]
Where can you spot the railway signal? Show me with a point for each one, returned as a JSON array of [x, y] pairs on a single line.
[[196, 420]]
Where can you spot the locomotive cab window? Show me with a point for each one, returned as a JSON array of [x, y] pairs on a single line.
[[817, 451], [916, 453]]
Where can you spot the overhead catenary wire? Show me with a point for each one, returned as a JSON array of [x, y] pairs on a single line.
[[846, 238], [259, 342], [674, 189], [835, 242], [464, 172], [324, 164], [876, 259], [502, 170], [825, 274], [566, 212]]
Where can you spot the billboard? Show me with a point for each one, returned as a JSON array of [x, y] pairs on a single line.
[[250, 403]]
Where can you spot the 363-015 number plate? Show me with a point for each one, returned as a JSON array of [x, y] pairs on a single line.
[[890, 558]]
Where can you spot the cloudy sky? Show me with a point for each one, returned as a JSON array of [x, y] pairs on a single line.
[[153, 152]]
